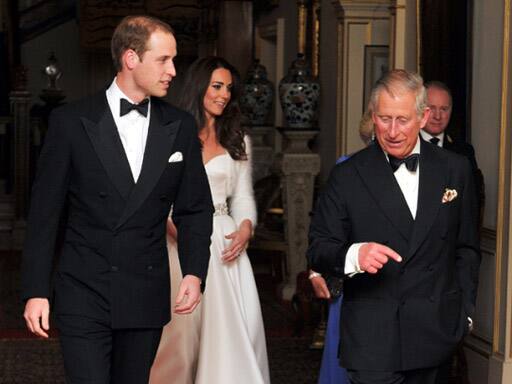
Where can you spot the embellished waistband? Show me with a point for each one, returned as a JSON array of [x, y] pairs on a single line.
[[221, 209]]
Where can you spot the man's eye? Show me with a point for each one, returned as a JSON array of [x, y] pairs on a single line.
[[403, 121]]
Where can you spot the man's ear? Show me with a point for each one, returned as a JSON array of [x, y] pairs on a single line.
[[130, 59], [424, 119]]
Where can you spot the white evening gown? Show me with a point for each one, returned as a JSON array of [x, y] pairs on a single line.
[[223, 340]]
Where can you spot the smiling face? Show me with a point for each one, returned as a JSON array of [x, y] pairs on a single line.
[[218, 93], [397, 123], [440, 104], [153, 72]]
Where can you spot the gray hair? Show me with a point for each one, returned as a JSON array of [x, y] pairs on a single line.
[[397, 82]]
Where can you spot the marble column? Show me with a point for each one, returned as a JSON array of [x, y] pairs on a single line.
[[299, 167]]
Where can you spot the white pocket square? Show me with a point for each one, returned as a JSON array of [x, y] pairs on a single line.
[[175, 157], [449, 195]]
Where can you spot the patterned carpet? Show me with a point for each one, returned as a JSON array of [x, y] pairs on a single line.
[[26, 360]]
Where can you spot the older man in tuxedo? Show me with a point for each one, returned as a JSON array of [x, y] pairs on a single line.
[[112, 165], [399, 218], [439, 101]]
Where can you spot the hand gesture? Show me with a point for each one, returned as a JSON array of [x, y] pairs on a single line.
[[37, 316], [239, 240], [189, 295], [373, 256]]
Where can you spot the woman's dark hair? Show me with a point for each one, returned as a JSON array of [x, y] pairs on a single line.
[[230, 133]]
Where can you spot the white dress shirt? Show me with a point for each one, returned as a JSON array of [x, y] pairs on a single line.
[[427, 136], [408, 182], [132, 128]]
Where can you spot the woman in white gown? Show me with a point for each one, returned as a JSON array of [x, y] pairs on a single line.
[[223, 340]]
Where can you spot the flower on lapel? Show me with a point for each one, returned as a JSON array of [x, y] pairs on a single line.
[[449, 195]]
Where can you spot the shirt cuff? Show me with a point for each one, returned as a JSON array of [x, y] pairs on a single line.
[[352, 260]]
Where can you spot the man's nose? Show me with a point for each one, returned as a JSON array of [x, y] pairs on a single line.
[[393, 129], [437, 114], [171, 69]]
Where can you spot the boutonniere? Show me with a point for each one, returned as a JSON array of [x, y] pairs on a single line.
[[449, 195]]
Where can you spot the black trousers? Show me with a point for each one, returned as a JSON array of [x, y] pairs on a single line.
[[96, 354], [415, 376]]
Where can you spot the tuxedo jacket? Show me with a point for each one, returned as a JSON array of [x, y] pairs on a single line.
[[410, 314], [113, 257]]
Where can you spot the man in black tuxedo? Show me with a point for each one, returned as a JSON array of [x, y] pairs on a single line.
[[439, 100], [399, 219], [115, 163]]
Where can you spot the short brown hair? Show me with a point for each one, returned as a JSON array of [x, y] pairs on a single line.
[[133, 32]]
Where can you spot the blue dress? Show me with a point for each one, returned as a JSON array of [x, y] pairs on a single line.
[[330, 371]]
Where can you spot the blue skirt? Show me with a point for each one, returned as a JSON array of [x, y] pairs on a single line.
[[330, 370]]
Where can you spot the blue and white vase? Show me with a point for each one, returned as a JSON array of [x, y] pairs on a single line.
[[299, 93], [257, 95]]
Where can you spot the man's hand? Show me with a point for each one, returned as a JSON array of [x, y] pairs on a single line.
[[37, 316], [189, 295], [373, 256]]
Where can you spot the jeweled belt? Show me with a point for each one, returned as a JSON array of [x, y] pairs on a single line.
[[221, 209]]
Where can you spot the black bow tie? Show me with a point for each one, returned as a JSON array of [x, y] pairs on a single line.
[[435, 140], [411, 162], [142, 107]]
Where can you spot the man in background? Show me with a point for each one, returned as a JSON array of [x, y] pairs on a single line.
[[439, 100]]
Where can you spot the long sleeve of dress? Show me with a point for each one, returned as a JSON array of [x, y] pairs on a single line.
[[242, 204]]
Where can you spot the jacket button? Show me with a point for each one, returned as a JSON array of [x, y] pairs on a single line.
[[114, 268], [432, 299], [149, 268], [103, 194], [163, 198]]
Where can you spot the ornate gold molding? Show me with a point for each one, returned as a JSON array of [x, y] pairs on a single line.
[[302, 26], [418, 36], [315, 38], [503, 211]]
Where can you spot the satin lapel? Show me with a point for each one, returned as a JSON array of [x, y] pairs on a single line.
[[378, 176], [107, 144], [161, 136], [430, 191]]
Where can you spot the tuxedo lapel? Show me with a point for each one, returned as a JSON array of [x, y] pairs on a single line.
[[161, 136], [107, 144], [430, 191], [382, 185]]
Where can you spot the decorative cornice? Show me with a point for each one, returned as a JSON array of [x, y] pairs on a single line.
[[370, 9]]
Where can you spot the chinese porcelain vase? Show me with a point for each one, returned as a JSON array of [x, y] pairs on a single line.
[[257, 95], [299, 93]]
